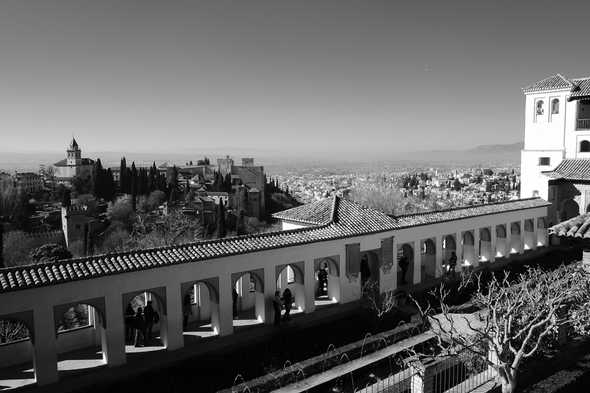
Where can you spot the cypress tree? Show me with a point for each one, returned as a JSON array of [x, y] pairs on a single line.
[[123, 177], [221, 230]]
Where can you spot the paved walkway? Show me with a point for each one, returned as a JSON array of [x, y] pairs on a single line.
[[84, 368]]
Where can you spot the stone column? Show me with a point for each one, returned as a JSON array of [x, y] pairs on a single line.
[[438, 258], [309, 283], [417, 276], [508, 240], [174, 338], [476, 247], [270, 286], [521, 251], [44, 346], [459, 245], [113, 336], [493, 243], [387, 274], [225, 305]]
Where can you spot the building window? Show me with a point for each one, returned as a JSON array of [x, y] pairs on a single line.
[[584, 146], [540, 108], [555, 106], [544, 161]]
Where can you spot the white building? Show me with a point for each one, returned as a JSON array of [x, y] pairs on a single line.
[[73, 165], [555, 160]]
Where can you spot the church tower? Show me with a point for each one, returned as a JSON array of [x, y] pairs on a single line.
[[74, 154]]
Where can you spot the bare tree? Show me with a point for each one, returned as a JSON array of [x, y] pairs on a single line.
[[517, 318]]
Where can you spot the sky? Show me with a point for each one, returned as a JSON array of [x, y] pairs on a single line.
[[328, 77]]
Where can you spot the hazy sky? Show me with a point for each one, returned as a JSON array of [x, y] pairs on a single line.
[[321, 76]]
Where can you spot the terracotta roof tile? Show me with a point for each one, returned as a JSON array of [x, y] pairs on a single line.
[[333, 218], [554, 82], [571, 169]]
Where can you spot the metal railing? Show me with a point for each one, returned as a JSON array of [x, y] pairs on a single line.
[[583, 124]]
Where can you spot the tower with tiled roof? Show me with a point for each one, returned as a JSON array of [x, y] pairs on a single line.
[[74, 154], [557, 139]]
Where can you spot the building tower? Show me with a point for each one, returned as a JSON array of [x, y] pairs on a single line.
[[74, 154]]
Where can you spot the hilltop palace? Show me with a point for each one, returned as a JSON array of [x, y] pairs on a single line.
[[352, 243]]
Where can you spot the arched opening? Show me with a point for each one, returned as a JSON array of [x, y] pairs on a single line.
[[485, 245], [555, 106], [248, 298], [405, 264], [428, 260], [515, 245], [449, 247], [290, 279], [584, 146], [81, 337], [17, 353], [145, 322], [570, 209], [327, 276], [502, 242], [529, 235], [468, 249], [200, 309]]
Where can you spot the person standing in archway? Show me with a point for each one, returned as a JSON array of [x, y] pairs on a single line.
[[404, 264], [150, 317], [139, 328], [288, 301], [129, 324], [276, 304]]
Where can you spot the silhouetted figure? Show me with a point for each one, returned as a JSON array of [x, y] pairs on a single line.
[[323, 281], [288, 301], [365, 270], [139, 322], [151, 317], [186, 310], [404, 264], [452, 263], [276, 304], [234, 299], [129, 324]]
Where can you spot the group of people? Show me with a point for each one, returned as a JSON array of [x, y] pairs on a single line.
[[139, 324], [278, 302]]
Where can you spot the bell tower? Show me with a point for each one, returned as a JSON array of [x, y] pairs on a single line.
[[74, 154]]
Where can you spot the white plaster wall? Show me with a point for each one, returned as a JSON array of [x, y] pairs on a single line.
[[531, 177]]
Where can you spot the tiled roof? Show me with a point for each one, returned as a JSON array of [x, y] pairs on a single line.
[[335, 218], [581, 88], [410, 220], [571, 169], [574, 227], [315, 213], [554, 82]]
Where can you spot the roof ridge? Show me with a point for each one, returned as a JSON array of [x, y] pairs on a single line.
[[461, 208]]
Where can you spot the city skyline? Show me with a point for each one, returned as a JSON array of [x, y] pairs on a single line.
[[277, 77]]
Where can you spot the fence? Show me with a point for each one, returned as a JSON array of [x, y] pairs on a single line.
[[458, 374]]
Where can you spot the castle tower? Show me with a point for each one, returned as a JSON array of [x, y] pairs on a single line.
[[544, 133], [74, 154]]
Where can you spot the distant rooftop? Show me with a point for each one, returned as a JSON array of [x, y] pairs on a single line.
[[578, 87]]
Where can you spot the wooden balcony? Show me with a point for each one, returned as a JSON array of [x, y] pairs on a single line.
[[583, 124]]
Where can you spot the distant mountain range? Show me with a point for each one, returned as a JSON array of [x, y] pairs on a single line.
[[484, 155]]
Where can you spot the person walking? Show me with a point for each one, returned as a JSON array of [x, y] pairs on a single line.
[[151, 317], [129, 324], [234, 299], [139, 323], [276, 304], [288, 302]]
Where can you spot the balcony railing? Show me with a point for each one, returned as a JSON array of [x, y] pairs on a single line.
[[583, 124]]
